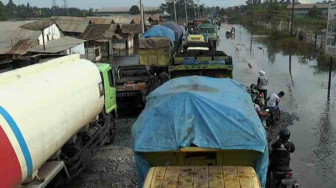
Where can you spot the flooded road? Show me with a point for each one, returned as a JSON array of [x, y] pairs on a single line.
[[314, 128]]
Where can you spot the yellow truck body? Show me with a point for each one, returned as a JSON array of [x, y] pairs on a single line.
[[202, 177]]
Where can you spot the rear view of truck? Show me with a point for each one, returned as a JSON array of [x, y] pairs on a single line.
[[195, 127], [133, 84], [199, 59]]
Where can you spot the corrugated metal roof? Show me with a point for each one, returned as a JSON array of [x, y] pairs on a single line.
[[309, 6], [122, 20], [99, 31], [11, 33], [107, 20], [58, 45], [131, 28], [22, 46], [72, 24]]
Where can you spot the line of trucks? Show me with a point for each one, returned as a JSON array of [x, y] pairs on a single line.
[[167, 52], [55, 115]]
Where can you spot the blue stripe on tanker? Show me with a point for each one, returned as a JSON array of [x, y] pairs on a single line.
[[20, 139]]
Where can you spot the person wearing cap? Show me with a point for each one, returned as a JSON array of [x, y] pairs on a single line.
[[262, 83]]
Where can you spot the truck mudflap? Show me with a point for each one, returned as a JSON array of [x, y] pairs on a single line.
[[202, 176]]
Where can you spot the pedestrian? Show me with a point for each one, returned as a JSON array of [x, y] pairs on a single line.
[[274, 100], [262, 83]]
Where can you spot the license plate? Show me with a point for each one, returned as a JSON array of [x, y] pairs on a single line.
[[288, 182]]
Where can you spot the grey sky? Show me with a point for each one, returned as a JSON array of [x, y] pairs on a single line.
[[86, 4]]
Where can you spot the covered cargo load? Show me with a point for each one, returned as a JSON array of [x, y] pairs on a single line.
[[211, 114], [178, 31], [155, 51], [160, 31], [154, 43]]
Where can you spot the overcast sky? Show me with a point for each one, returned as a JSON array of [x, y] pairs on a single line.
[[86, 4]]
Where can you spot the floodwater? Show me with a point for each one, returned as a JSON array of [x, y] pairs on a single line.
[[314, 130]]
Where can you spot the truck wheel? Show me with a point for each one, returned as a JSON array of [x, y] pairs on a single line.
[[110, 120]]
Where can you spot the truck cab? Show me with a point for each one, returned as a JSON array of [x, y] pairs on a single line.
[[108, 87]]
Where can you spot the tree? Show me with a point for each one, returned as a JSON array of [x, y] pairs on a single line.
[[168, 6], [2, 11], [314, 13], [134, 10]]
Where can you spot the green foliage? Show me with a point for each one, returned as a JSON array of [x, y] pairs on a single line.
[[134, 10], [19, 12], [2, 11], [168, 6], [315, 25], [314, 13]]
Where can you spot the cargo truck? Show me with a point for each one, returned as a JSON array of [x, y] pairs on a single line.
[[198, 58], [133, 84], [210, 31], [54, 116], [200, 132]]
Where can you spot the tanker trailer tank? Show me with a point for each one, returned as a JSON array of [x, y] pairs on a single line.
[[42, 107]]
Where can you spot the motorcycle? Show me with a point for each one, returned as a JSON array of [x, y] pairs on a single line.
[[282, 177], [257, 96], [275, 116]]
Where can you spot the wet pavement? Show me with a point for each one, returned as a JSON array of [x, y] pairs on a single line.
[[311, 118]]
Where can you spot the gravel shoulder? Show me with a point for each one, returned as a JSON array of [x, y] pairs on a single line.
[[113, 166]]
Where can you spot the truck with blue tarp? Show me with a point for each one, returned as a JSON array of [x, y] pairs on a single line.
[[200, 126], [162, 49]]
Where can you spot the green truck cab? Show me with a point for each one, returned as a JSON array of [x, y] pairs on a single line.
[[209, 30], [109, 90]]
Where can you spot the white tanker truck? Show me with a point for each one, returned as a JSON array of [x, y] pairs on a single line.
[[53, 117]]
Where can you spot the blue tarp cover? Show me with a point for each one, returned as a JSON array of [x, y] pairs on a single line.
[[207, 112], [160, 31], [178, 31]]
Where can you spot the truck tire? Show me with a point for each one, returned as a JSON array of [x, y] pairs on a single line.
[[110, 121]]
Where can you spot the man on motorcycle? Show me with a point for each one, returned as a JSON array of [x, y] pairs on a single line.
[[281, 149], [262, 83]]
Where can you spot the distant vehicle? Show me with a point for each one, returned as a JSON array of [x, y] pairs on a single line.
[[211, 31], [199, 58], [177, 136], [196, 38], [54, 116]]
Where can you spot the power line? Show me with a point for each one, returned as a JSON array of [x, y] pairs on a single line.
[[54, 5], [65, 6]]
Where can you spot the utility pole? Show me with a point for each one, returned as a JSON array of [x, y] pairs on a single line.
[[195, 10], [292, 19], [175, 11], [185, 8], [65, 6], [252, 26], [142, 17], [54, 4], [329, 83]]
